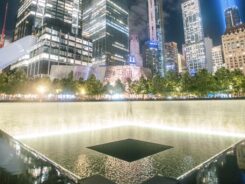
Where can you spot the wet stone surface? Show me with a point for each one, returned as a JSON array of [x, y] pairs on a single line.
[[96, 179]]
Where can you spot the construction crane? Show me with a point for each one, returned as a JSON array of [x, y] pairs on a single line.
[[4, 27]]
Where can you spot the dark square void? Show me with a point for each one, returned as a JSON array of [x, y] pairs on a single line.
[[130, 150]]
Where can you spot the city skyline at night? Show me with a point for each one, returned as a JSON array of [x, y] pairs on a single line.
[[212, 11], [122, 91]]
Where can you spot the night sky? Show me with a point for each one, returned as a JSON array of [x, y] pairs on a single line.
[[212, 12]]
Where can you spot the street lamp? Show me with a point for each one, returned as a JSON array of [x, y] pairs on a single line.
[[41, 89], [82, 91]]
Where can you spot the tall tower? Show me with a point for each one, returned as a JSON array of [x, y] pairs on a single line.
[[232, 17], [154, 48], [4, 27], [232, 14], [57, 25], [194, 48], [152, 20], [105, 22], [171, 56]]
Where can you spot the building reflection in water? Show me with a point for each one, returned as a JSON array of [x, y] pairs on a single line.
[[21, 165], [225, 168]]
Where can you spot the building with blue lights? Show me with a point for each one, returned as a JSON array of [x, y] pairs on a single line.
[[232, 17], [135, 57], [105, 22], [171, 56], [154, 48]]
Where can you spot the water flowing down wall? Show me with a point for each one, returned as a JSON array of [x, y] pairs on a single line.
[[43, 119]]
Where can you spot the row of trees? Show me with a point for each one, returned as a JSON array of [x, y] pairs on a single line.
[[203, 83]]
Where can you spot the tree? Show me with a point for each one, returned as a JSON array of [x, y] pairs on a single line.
[[3, 82], [141, 87], [156, 85], [108, 88], [93, 86], [187, 84], [171, 83], [57, 86], [70, 85], [237, 80], [36, 83], [222, 80], [14, 81], [204, 83], [119, 87]]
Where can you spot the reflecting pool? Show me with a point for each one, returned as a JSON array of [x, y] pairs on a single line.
[[195, 131]]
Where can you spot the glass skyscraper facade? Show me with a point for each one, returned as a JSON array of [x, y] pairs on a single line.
[[105, 22], [171, 56], [232, 17], [194, 48], [58, 27], [154, 48]]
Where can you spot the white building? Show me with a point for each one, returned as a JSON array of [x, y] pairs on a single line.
[[12, 52], [208, 51], [182, 68], [103, 73], [194, 48], [217, 57]]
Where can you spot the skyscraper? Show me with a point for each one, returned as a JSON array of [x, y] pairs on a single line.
[[105, 22], [232, 17], [217, 55], [154, 48], [171, 56], [2, 39], [57, 24], [181, 64], [194, 48]]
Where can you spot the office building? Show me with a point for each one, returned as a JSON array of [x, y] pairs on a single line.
[[171, 56], [57, 25], [151, 57], [217, 58], [233, 43], [194, 48], [105, 22], [181, 66], [232, 17], [154, 48], [208, 51]]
